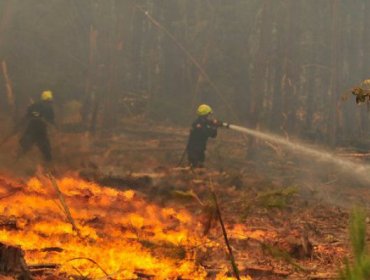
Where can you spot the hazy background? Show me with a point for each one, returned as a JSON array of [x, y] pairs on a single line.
[[279, 65]]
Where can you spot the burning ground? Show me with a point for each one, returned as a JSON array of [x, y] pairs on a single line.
[[119, 230], [125, 235], [162, 223]]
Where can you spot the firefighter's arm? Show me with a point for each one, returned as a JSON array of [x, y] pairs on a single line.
[[218, 123], [50, 119]]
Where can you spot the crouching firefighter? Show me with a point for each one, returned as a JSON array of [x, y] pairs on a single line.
[[39, 115], [202, 128]]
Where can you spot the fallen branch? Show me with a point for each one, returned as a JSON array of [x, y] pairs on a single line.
[[52, 249], [43, 266], [143, 275]]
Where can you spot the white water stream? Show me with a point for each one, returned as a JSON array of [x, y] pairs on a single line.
[[361, 171]]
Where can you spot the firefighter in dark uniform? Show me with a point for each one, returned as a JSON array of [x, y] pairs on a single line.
[[38, 116], [202, 128]]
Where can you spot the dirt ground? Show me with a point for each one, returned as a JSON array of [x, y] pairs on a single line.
[[286, 215]]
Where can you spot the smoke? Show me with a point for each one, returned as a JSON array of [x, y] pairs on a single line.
[[317, 156]]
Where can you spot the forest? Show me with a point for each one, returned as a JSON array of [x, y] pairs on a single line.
[[279, 65], [285, 200]]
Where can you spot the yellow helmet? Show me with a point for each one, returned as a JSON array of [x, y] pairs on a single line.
[[204, 110], [47, 95]]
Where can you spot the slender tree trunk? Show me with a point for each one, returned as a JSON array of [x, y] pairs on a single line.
[[5, 17], [260, 68], [90, 88], [6, 14], [174, 88], [333, 89], [364, 61], [8, 89], [291, 65]]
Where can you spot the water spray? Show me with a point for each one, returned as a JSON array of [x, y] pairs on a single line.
[[361, 170]]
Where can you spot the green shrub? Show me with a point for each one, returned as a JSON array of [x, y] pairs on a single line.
[[359, 269]]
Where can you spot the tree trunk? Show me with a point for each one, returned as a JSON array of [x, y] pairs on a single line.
[[8, 89], [333, 89], [6, 16], [259, 75]]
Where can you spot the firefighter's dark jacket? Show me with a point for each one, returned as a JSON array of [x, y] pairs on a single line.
[[39, 114], [202, 129]]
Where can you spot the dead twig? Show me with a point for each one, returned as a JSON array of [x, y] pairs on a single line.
[[94, 262], [64, 204], [224, 232], [11, 193], [79, 272], [192, 59], [190, 194]]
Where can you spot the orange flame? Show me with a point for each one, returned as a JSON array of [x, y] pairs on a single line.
[[122, 235], [121, 231]]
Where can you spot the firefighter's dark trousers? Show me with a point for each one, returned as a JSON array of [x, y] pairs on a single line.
[[38, 137], [196, 157]]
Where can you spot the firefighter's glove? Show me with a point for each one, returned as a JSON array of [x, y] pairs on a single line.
[[217, 123]]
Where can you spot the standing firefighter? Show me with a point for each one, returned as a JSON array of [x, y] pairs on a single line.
[[38, 116], [202, 128]]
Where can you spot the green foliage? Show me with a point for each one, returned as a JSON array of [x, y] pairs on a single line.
[[279, 254], [170, 250], [276, 198], [360, 268]]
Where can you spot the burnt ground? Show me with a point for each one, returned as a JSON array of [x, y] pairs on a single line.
[[286, 215]]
